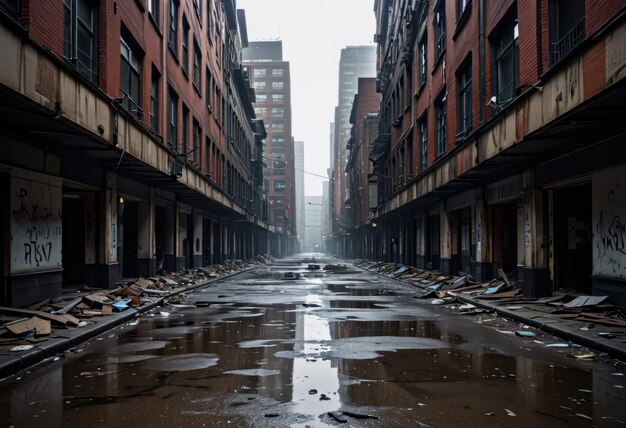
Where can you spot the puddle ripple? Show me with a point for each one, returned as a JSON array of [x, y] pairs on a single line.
[[181, 363]]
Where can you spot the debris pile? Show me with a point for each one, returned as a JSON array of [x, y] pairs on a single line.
[[21, 328]]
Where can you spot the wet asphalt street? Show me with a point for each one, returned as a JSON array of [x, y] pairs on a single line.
[[345, 348]]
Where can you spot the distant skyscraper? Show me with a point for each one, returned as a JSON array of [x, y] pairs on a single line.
[[300, 208], [355, 62], [269, 76]]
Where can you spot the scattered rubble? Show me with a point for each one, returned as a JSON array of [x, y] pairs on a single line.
[[503, 293], [20, 328]]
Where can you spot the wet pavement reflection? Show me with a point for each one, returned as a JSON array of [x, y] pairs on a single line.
[[324, 350]]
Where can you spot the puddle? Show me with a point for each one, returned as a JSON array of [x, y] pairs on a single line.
[[286, 353], [184, 362]]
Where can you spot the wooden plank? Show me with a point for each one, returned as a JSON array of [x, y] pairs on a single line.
[[59, 319], [38, 326]]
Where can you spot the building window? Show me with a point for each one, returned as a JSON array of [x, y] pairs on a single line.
[[279, 140], [461, 5], [261, 98], [277, 71], [207, 88], [278, 98], [567, 27], [185, 141], [260, 85], [278, 160], [173, 26], [154, 101], [278, 112], [440, 28], [506, 61], [153, 9], [185, 55], [197, 131], [197, 7], [260, 111], [423, 129], [197, 61], [464, 84], [12, 5], [279, 186], [441, 124], [260, 72], [279, 126], [278, 85], [130, 80], [172, 119], [79, 36], [422, 60]]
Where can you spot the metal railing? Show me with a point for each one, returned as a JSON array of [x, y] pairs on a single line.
[[568, 42]]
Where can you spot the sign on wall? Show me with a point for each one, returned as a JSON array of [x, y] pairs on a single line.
[[36, 223], [609, 227]]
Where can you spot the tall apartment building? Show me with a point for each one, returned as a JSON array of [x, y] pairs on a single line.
[[128, 135], [354, 62], [501, 138], [270, 78], [359, 169], [300, 191]]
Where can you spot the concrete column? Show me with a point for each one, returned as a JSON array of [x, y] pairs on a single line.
[[109, 243], [146, 241], [534, 274], [197, 239], [182, 248], [482, 266], [169, 263], [445, 232]]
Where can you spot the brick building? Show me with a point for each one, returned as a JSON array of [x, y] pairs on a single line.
[[364, 120], [129, 142], [500, 140], [270, 77], [354, 62]]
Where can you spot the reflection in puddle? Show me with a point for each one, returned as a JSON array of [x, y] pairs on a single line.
[[315, 381], [289, 353]]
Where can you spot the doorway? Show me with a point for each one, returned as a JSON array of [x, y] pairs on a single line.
[[465, 249], [73, 239], [129, 239], [4, 226], [505, 237], [216, 243], [433, 242], [160, 220], [572, 219]]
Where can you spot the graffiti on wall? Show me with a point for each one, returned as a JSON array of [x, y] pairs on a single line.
[[36, 226], [609, 229]]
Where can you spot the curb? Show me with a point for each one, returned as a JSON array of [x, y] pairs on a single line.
[[603, 346], [11, 364]]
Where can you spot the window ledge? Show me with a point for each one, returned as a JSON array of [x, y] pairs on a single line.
[[173, 52], [438, 61], [155, 24], [420, 89], [460, 23]]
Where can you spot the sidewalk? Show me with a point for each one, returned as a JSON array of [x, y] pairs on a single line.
[[573, 325], [66, 339]]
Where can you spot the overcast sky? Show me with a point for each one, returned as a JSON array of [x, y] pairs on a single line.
[[313, 33]]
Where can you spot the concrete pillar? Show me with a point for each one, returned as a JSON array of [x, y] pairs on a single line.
[[183, 257], [482, 266], [445, 232], [534, 274], [146, 242], [109, 244], [197, 239], [169, 263]]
